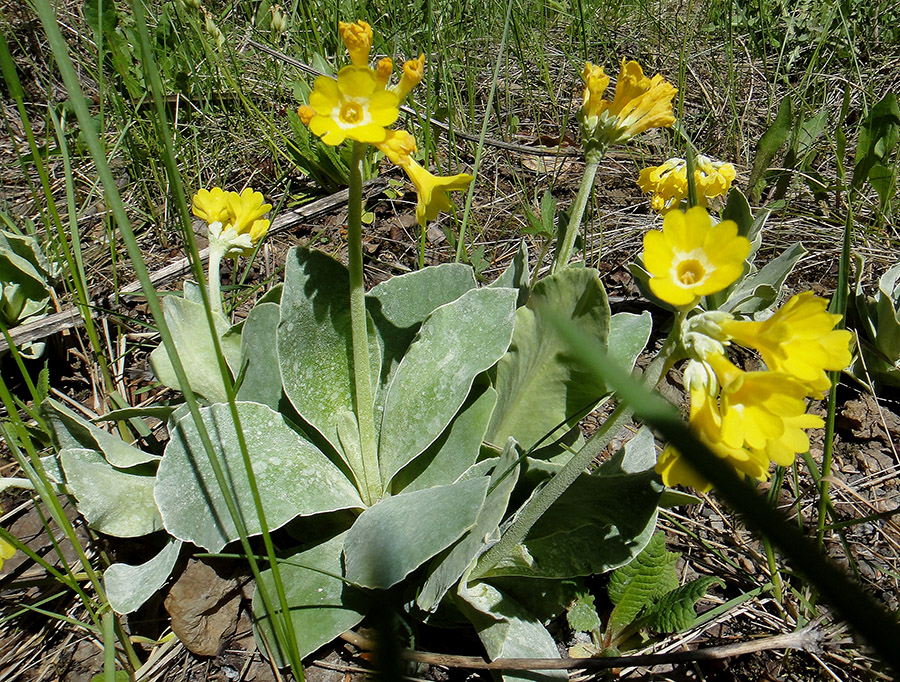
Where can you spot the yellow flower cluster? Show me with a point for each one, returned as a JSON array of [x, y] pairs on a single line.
[[639, 103], [750, 419], [360, 105], [669, 186], [235, 221]]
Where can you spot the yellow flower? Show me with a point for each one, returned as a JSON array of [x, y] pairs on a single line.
[[6, 551], [691, 257], [413, 72], [246, 208], [640, 103], [358, 40], [595, 84], [754, 419], [211, 205], [432, 189], [398, 146], [798, 339], [235, 220], [756, 405], [668, 182], [352, 107]]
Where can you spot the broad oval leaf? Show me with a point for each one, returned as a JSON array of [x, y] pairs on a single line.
[[294, 478], [189, 327], [117, 502], [600, 523], [395, 536], [315, 350], [540, 385], [322, 606], [458, 341], [508, 630]]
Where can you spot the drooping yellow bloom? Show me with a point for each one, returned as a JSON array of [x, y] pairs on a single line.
[[353, 106], [432, 189], [640, 103], [358, 39], [798, 339], [6, 552], [595, 84], [756, 405], [211, 205], [668, 182], [413, 72], [749, 419], [691, 257]]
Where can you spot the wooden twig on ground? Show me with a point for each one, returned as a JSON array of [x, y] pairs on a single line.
[[69, 317], [808, 639]]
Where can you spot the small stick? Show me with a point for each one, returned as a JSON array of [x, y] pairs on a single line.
[[807, 639]]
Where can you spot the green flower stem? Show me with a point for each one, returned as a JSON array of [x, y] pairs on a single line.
[[564, 250], [365, 401], [540, 503], [215, 280]]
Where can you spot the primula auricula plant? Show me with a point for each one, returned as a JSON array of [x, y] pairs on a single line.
[[421, 439]]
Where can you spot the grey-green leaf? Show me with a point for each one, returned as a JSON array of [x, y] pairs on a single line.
[[314, 340], [447, 568], [445, 460], [600, 523], [507, 630], [128, 587], [262, 375], [762, 289], [395, 536], [398, 307], [189, 327], [540, 385], [293, 477], [114, 501], [458, 341], [72, 431], [628, 335], [322, 606]]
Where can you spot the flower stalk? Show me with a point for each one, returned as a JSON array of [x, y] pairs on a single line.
[[564, 252], [364, 397]]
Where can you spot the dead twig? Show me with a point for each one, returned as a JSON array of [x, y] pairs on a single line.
[[808, 639]]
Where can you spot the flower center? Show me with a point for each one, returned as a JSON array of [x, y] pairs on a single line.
[[352, 113], [690, 271]]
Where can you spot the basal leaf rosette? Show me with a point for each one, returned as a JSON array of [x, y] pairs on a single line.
[[668, 185], [691, 258], [639, 104]]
